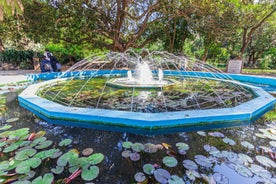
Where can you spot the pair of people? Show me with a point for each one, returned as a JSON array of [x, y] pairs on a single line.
[[49, 63]]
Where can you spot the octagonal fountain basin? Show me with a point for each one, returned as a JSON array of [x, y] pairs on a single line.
[[172, 106]]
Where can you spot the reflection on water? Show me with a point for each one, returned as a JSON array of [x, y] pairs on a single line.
[[116, 169]]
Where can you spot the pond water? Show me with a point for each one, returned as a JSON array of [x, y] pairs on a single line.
[[231, 143]]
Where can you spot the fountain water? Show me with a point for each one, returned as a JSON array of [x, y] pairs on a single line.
[[150, 92]]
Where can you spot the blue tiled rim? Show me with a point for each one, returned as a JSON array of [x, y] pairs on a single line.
[[75, 116]]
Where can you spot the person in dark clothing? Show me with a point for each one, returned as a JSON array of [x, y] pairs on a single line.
[[45, 65]]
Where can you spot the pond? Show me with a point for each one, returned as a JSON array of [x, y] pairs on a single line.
[[242, 154]]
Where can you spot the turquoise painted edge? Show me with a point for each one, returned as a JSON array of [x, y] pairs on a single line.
[[244, 112], [239, 77]]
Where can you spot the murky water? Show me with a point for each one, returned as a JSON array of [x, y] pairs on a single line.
[[116, 169]]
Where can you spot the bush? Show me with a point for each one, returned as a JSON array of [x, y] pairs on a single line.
[[21, 58]]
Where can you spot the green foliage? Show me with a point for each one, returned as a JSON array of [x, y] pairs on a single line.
[[18, 57]]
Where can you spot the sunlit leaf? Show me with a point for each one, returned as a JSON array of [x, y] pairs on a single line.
[[25, 154], [265, 161], [127, 145], [202, 133], [11, 120], [65, 142], [96, 158], [229, 141], [247, 145], [48, 178]]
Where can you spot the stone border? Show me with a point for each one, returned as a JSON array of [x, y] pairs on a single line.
[[87, 117]]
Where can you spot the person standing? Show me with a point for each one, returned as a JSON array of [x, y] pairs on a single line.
[[56, 66]]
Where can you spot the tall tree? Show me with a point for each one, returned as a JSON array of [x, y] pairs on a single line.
[[8, 8]]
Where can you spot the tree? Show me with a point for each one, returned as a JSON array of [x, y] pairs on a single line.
[[8, 8]]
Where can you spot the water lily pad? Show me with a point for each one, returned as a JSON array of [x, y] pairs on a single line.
[[64, 159], [260, 171], [162, 175], [25, 166], [170, 161], [150, 148], [229, 141], [202, 133], [273, 143], [127, 144], [4, 165], [38, 140], [189, 164], [134, 156], [65, 142], [87, 151], [11, 148], [57, 170], [139, 177], [192, 174], [2, 144], [44, 144], [25, 154], [48, 178], [245, 158], [220, 178], [216, 134], [203, 161], [91, 173], [176, 180], [243, 171], [247, 145], [11, 120], [21, 182], [53, 153], [138, 147], [5, 127], [126, 153], [96, 158], [27, 176], [148, 169], [21, 132], [265, 161], [231, 156], [182, 147]]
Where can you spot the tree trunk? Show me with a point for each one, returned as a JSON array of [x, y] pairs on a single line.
[[2, 48]]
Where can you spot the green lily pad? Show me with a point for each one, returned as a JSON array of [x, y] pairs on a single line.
[[127, 144], [273, 143], [11, 120], [65, 142], [175, 180], [21, 132], [134, 156], [27, 176], [245, 158], [25, 154], [138, 147], [57, 170], [21, 182], [265, 161], [4, 165], [148, 169], [202, 133], [11, 148], [38, 140], [243, 171], [220, 178], [203, 161], [25, 166], [140, 177], [90, 174], [189, 164], [96, 158], [53, 153], [48, 178], [260, 171], [216, 134], [247, 145], [182, 147], [229, 141], [161, 175], [170, 161], [44, 144], [192, 174], [64, 159], [126, 153], [150, 148], [5, 127]]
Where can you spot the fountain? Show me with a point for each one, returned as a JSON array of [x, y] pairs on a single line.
[[153, 93]]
